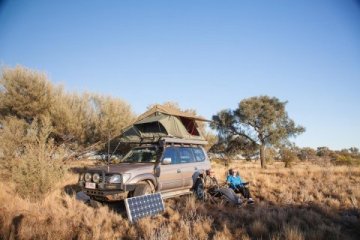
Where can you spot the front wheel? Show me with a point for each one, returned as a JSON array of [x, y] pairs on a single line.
[[143, 188]]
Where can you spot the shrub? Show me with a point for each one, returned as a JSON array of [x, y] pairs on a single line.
[[79, 119], [24, 93], [306, 154], [89, 118], [12, 140], [270, 154], [345, 158], [35, 165], [288, 156]]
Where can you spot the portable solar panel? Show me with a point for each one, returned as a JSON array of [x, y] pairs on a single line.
[[142, 206]]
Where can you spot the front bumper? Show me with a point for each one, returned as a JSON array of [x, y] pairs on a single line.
[[105, 196], [108, 192]]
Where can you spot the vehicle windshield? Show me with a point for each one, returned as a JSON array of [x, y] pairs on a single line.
[[140, 155]]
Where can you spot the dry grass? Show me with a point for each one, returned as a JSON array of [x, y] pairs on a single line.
[[304, 202]]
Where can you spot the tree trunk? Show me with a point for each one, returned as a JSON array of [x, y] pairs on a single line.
[[262, 156]]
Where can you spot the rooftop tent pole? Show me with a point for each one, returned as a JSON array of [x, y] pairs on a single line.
[[158, 123], [193, 128], [188, 127]]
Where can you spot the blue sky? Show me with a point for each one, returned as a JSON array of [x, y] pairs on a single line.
[[206, 55]]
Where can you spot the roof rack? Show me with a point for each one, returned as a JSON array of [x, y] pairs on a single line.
[[170, 140]]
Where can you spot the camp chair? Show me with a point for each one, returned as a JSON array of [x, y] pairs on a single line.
[[221, 195], [243, 190], [228, 173]]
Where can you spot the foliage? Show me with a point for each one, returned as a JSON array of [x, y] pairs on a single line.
[[90, 118], [25, 94], [345, 157], [307, 154], [271, 154], [79, 119], [30, 158], [354, 150], [323, 151], [261, 121], [38, 121], [210, 138], [13, 137], [288, 156]]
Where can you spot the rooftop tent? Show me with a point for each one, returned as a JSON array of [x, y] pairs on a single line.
[[161, 121], [169, 111]]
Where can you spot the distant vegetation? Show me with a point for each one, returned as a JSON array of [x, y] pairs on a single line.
[[257, 122], [261, 128]]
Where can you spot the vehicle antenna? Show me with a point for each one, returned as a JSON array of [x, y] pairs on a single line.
[[108, 153]]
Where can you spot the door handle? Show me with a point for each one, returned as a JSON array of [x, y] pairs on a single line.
[[179, 171]]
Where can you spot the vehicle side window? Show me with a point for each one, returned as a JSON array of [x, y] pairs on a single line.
[[186, 155], [199, 154], [171, 152]]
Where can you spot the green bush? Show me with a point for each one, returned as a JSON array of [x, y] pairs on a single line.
[[30, 158], [345, 158], [288, 156]]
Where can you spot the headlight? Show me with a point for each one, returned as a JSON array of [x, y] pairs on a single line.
[[96, 177], [87, 177], [115, 179]]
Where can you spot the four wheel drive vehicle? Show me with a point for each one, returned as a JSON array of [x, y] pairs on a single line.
[[170, 166]]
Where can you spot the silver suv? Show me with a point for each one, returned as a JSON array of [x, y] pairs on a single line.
[[170, 166]]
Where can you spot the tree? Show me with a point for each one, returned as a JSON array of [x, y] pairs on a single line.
[[77, 119], [25, 93], [261, 120], [354, 150]]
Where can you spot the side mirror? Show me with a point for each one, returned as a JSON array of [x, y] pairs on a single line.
[[166, 161]]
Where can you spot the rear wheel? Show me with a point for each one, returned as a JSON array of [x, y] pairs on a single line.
[[199, 190], [143, 188]]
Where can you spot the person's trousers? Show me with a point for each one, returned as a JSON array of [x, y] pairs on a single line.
[[244, 191]]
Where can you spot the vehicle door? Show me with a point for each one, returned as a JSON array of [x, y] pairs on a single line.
[[170, 176], [191, 161]]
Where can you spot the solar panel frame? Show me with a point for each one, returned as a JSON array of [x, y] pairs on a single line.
[[143, 206]]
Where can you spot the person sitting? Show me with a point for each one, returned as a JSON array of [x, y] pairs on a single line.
[[238, 185], [210, 181], [211, 185]]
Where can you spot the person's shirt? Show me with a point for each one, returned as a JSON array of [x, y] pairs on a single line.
[[211, 182], [235, 180]]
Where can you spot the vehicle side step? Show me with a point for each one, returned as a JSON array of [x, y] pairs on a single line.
[[171, 194]]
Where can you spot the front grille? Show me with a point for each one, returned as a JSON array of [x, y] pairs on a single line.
[[94, 192]]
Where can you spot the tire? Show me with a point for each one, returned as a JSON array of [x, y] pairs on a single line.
[[199, 190], [142, 188], [94, 203]]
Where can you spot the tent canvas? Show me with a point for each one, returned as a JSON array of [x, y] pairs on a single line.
[[160, 121]]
